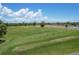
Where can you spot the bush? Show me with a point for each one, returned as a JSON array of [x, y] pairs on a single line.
[[66, 25], [3, 29], [42, 24], [34, 24]]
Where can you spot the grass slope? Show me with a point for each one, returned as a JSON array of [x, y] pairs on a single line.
[[37, 40]]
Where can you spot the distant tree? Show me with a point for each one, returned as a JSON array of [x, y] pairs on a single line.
[[42, 24], [66, 25], [22, 24], [74, 24], [34, 23], [3, 29], [57, 23], [1, 22]]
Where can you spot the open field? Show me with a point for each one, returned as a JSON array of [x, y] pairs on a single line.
[[31, 40]]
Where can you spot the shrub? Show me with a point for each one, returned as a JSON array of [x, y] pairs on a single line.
[[42, 24], [34, 23], [66, 25], [3, 29]]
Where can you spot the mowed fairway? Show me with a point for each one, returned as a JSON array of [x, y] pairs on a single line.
[[29, 40]]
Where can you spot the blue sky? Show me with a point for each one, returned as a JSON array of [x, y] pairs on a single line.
[[54, 12]]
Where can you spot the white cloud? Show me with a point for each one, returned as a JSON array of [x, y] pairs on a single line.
[[19, 13], [23, 15], [29, 14], [45, 18], [6, 11], [34, 15], [38, 13], [0, 17], [37, 16], [0, 7]]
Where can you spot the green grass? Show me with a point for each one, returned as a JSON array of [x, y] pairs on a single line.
[[37, 40]]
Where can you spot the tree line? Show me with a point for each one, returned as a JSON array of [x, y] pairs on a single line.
[[42, 24], [3, 26]]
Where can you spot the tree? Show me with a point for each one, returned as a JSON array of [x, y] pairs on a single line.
[[3, 29], [1, 22], [57, 23], [34, 23], [66, 25], [42, 24], [74, 24]]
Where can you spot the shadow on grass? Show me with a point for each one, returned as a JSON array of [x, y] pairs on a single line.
[[2, 40]]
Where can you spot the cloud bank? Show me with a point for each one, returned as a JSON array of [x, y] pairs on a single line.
[[22, 15]]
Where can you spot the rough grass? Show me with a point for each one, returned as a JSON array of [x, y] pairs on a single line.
[[37, 40]]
